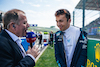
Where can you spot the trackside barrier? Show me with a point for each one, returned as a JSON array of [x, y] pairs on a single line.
[[45, 38]]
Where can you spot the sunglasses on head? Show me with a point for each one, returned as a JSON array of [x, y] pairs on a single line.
[[62, 12]]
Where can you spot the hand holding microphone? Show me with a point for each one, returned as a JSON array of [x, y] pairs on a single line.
[[31, 37]]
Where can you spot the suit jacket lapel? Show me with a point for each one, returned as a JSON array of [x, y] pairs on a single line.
[[77, 50], [11, 42], [61, 47]]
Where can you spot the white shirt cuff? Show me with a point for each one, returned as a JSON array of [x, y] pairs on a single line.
[[30, 56]]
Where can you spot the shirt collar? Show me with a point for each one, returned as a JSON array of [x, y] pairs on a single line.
[[67, 30], [13, 36]]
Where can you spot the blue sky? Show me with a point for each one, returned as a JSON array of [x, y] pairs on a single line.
[[39, 12]]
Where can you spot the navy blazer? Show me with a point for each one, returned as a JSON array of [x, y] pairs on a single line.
[[10, 55], [80, 53]]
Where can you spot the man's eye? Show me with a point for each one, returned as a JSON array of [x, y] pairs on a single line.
[[60, 21]]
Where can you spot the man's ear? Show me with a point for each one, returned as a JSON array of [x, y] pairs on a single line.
[[12, 24], [69, 21]]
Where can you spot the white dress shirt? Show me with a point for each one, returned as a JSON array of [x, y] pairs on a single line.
[[18, 41], [70, 38]]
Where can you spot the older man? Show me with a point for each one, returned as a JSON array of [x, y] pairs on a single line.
[[12, 53]]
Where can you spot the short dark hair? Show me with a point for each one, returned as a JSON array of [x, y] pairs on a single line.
[[63, 11], [11, 16]]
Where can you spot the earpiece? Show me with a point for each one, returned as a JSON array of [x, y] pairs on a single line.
[[14, 26]]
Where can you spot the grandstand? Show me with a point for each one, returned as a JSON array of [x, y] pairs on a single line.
[[87, 14], [93, 28]]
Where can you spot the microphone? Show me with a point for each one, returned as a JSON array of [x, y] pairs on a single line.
[[30, 38]]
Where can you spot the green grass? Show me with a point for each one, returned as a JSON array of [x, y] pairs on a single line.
[[47, 59], [38, 29]]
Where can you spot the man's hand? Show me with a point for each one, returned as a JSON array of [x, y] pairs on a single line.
[[33, 51]]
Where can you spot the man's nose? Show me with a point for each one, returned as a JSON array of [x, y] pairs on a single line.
[[28, 25], [58, 23]]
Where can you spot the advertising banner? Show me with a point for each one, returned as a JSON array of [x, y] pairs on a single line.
[[93, 53]]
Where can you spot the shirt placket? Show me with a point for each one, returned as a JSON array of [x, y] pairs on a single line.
[[21, 48], [66, 49]]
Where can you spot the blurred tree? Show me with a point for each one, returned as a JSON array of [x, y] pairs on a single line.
[[52, 27]]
